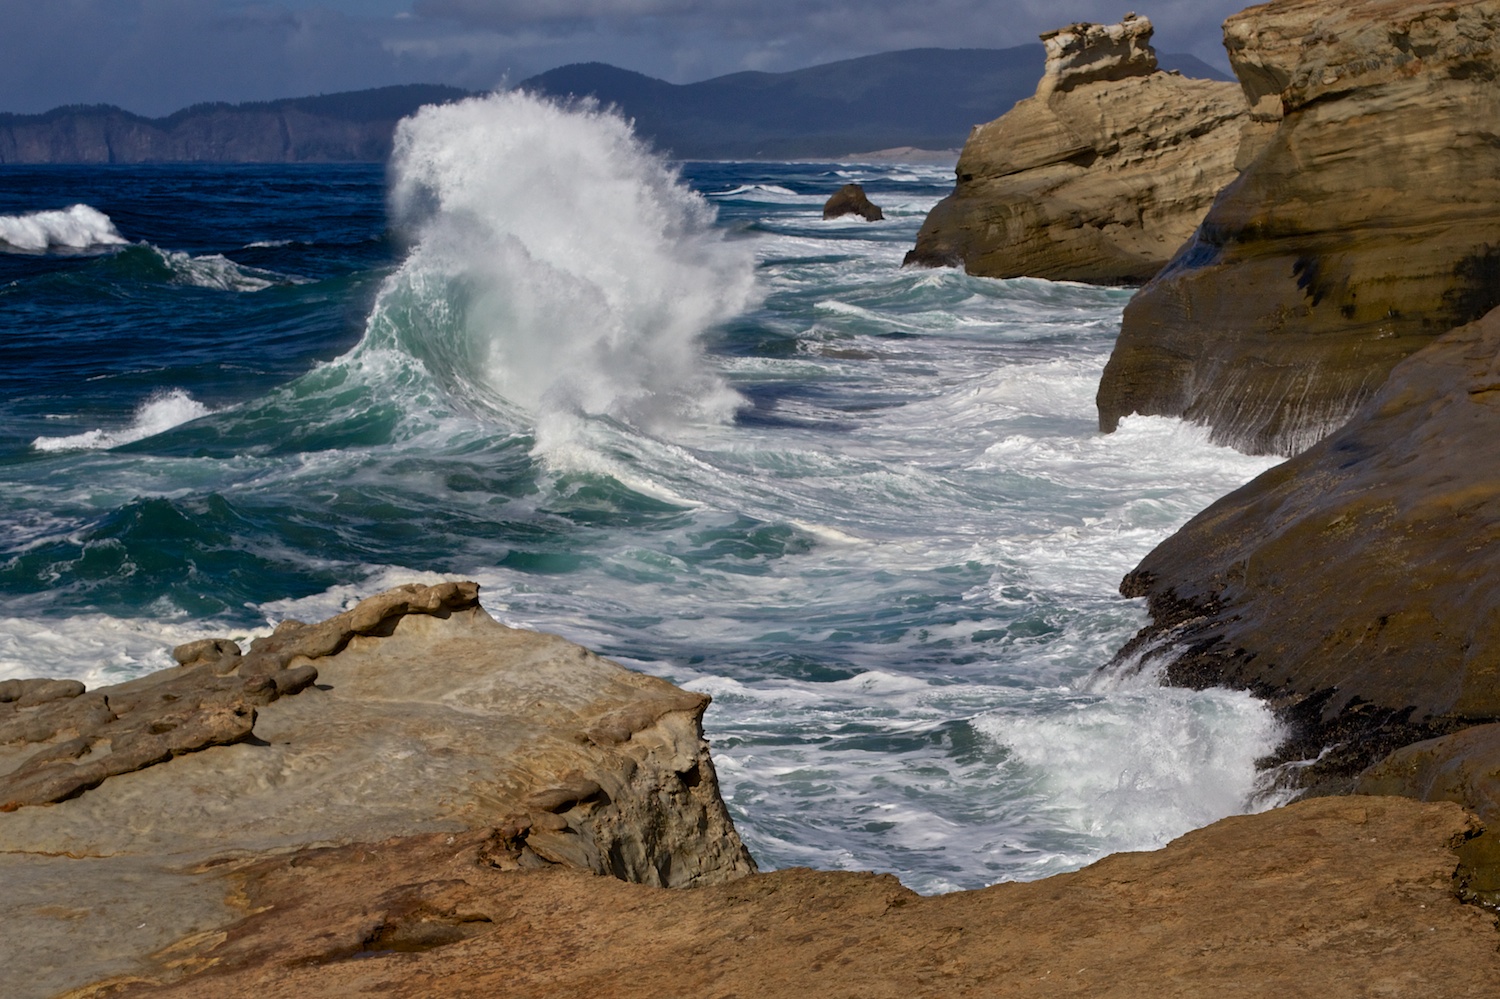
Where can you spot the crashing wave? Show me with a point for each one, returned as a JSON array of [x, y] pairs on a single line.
[[560, 267], [80, 227]]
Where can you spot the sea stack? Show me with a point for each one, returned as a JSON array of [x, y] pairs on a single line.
[[1368, 225], [1099, 177], [851, 200]]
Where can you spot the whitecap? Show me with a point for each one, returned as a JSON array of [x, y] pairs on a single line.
[[79, 227], [214, 270], [157, 414]]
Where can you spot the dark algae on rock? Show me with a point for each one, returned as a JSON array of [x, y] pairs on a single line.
[[1353, 585], [1367, 224]]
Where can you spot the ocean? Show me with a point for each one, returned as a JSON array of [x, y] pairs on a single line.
[[666, 411]]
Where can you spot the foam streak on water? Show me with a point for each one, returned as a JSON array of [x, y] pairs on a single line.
[[684, 420]]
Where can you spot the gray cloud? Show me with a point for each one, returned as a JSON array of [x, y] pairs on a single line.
[[154, 56]]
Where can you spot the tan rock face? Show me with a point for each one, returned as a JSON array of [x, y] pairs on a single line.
[[1330, 898], [1367, 225], [427, 718], [1463, 768], [1100, 177], [1353, 584]]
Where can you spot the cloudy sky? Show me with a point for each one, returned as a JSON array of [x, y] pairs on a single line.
[[155, 56]]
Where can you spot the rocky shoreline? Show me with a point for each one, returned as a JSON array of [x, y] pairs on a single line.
[[412, 798], [438, 804]]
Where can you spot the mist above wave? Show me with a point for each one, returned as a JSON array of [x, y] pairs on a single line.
[[559, 266]]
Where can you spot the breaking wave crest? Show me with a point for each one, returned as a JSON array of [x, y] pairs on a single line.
[[78, 228], [559, 267], [156, 415]]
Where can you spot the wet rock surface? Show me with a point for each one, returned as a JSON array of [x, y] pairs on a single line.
[[1367, 224], [1329, 898], [1099, 177], [427, 718], [1351, 586]]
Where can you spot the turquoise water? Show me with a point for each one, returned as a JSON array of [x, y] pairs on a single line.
[[673, 415]]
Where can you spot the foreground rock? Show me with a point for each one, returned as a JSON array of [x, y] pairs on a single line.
[[1099, 177], [1353, 585], [1327, 898], [851, 200], [427, 719], [1463, 768], [1368, 225]]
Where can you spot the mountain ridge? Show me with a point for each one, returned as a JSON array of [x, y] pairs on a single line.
[[919, 98]]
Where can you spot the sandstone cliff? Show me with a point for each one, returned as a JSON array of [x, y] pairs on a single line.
[[1352, 586], [1367, 225], [131, 813], [1099, 177]]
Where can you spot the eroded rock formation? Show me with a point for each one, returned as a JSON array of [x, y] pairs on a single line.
[[1352, 586], [1099, 177], [1367, 225], [427, 719], [1332, 898]]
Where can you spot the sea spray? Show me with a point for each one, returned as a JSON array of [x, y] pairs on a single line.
[[558, 266]]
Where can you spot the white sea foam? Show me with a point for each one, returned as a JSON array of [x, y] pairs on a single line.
[[1138, 767], [157, 414], [97, 648], [560, 266], [80, 227]]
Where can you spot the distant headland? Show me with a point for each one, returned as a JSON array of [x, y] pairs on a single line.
[[925, 99]]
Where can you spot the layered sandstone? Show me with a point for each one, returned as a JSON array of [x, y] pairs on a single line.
[[1352, 586], [1367, 225], [1099, 177], [413, 715], [1329, 898]]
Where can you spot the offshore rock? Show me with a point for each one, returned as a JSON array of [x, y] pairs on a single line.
[[1367, 225], [1336, 897], [851, 200], [1099, 177], [427, 719], [1352, 586]]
